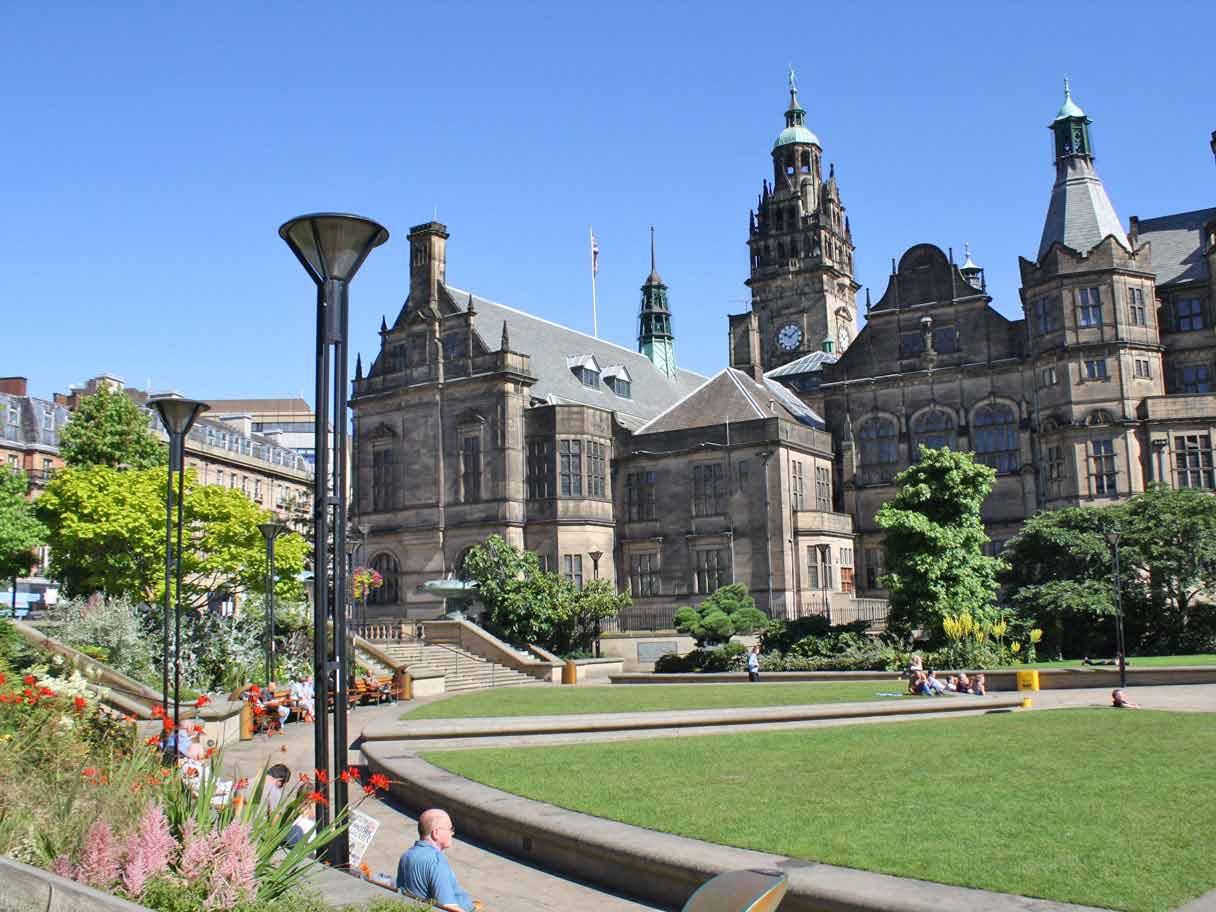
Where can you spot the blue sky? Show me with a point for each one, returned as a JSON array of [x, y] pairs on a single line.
[[151, 151]]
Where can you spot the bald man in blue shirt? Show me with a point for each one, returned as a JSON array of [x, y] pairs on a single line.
[[423, 872]]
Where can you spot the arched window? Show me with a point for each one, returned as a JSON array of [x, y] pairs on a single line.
[[935, 429], [996, 437], [879, 450], [389, 593]]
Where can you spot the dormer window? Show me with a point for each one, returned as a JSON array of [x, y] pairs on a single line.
[[617, 379], [586, 369]]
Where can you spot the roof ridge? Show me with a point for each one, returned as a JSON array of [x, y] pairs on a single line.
[[682, 399], [750, 398], [532, 316]]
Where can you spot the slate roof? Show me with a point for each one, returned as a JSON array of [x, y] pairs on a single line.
[[807, 364], [1178, 245], [1080, 214], [732, 395], [260, 406], [553, 346]]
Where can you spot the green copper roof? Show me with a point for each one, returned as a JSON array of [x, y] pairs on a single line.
[[1069, 108], [795, 135]]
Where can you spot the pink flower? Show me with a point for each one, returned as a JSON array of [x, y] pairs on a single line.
[[196, 853], [232, 877], [63, 867], [153, 840], [99, 861], [135, 875]]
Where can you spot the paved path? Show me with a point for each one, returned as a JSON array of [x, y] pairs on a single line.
[[506, 884], [501, 882]]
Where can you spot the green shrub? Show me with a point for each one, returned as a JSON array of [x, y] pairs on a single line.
[[730, 610], [728, 657]]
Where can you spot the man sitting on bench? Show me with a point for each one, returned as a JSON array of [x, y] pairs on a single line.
[[424, 873]]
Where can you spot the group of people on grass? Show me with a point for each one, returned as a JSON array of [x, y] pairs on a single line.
[[928, 684]]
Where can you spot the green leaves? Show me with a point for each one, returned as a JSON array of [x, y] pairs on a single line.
[[730, 610], [20, 530], [934, 542], [108, 429]]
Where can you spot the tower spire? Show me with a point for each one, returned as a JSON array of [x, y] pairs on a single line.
[[655, 339]]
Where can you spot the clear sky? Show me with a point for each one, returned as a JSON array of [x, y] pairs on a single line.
[[151, 150]]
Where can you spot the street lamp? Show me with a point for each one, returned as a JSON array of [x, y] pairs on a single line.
[[331, 247], [177, 414], [270, 531], [1112, 539], [595, 574]]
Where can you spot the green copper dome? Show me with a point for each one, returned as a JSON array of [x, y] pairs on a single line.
[[795, 134], [1070, 107]]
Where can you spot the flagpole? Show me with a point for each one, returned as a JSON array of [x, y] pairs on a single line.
[[595, 323]]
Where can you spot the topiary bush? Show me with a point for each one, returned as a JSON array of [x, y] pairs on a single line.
[[730, 610]]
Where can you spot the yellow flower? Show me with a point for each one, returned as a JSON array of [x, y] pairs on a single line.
[[1015, 647], [1036, 635]]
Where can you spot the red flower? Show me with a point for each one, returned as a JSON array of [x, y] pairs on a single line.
[[199, 729], [369, 790], [317, 798], [80, 704], [344, 775], [46, 692], [168, 725], [379, 781], [210, 752], [5, 698], [29, 680], [304, 778], [158, 712], [259, 711], [202, 701], [2, 677], [241, 784], [190, 771], [354, 774], [254, 689], [322, 777], [128, 718], [89, 772], [153, 741]]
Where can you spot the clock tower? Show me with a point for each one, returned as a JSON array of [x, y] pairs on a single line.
[[801, 249]]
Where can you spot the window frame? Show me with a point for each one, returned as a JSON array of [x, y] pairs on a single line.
[[1104, 470]]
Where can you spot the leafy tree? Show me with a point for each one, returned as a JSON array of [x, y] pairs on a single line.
[[20, 530], [730, 610], [523, 603], [581, 612], [1169, 561], [1058, 572], [934, 542], [107, 534], [108, 429]]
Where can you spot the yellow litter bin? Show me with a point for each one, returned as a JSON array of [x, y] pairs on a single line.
[[1029, 679], [569, 673], [246, 728]]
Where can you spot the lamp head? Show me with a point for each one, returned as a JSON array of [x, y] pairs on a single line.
[[176, 413], [595, 556], [331, 245], [271, 530], [1112, 537]]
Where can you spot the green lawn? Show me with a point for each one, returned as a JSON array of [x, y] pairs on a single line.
[[1133, 662], [1091, 806], [554, 701]]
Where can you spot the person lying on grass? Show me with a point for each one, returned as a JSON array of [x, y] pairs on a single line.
[[1118, 698]]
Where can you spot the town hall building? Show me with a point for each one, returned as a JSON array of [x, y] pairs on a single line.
[[613, 462]]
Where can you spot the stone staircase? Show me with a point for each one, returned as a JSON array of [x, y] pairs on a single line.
[[462, 669]]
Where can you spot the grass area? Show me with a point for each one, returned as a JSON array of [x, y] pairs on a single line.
[[1133, 662], [560, 701], [1090, 806]]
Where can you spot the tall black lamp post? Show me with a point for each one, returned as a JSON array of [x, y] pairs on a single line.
[[595, 574], [331, 247], [177, 415], [1112, 539], [270, 531]]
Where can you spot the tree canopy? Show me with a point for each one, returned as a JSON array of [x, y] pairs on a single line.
[[20, 530], [525, 604], [934, 542], [1060, 572], [108, 429], [107, 534], [730, 610]]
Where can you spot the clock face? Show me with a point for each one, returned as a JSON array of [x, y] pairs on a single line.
[[843, 338], [789, 337]]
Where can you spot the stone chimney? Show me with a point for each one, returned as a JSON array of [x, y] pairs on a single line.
[[428, 263], [14, 386]]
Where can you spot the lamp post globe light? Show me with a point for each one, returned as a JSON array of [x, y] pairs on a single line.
[[177, 414], [1112, 539], [331, 247], [270, 531]]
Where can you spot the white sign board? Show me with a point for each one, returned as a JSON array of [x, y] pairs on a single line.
[[362, 829]]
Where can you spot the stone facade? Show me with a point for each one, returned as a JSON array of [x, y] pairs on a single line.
[[612, 462]]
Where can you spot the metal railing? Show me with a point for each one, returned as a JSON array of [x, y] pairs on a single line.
[[642, 618]]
